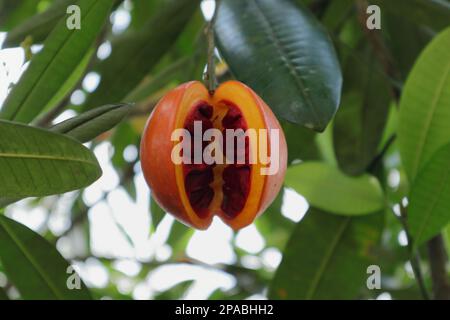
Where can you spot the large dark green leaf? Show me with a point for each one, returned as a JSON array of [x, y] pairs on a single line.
[[327, 188], [425, 106], [39, 26], [359, 123], [285, 55], [327, 257], [138, 51], [34, 266], [89, 125], [432, 13], [57, 68], [36, 162], [429, 201]]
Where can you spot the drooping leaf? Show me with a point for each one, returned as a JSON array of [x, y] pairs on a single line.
[[34, 266], [429, 202], [36, 162], [432, 13], [359, 123], [285, 55], [425, 106], [135, 53], [327, 257], [52, 70], [327, 188], [90, 124], [39, 26]]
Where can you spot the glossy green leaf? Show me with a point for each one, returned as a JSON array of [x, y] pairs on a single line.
[[425, 106], [429, 202], [86, 127], [327, 188], [34, 266], [359, 123], [285, 55], [39, 26], [327, 257], [432, 13], [89, 125], [36, 162], [63, 52], [135, 53]]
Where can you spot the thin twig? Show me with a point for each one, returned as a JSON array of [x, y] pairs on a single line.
[[438, 261], [373, 164], [414, 256], [376, 41], [211, 80]]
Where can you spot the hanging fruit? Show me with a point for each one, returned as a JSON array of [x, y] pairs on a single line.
[[221, 153]]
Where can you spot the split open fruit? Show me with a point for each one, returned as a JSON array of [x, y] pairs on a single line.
[[194, 191]]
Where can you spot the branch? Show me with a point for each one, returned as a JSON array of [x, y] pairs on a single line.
[[438, 260], [376, 41], [379, 157], [414, 257]]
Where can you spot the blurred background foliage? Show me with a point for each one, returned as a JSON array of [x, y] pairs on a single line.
[[126, 247]]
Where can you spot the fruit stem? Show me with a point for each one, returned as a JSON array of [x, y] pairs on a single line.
[[210, 77]]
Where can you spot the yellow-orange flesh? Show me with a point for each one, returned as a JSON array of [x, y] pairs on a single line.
[[232, 191]]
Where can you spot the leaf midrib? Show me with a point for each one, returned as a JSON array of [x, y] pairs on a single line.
[[326, 259], [30, 258], [44, 157], [46, 68], [292, 70]]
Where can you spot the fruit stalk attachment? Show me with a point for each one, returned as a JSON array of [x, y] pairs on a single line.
[[210, 76]]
